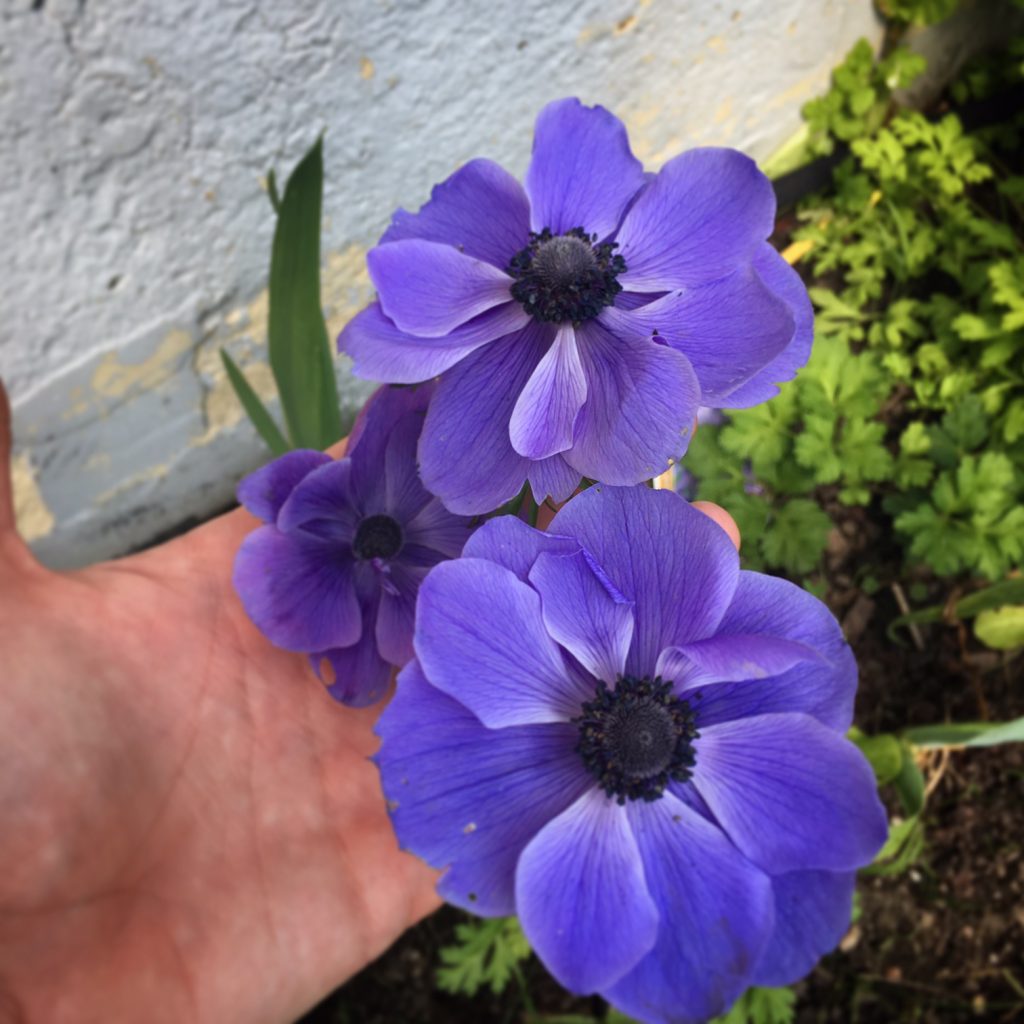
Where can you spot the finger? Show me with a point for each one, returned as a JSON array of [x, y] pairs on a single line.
[[6, 487], [720, 516]]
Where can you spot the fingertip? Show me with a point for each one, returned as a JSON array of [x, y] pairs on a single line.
[[722, 518]]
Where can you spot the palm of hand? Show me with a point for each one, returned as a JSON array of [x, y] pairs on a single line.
[[191, 830]]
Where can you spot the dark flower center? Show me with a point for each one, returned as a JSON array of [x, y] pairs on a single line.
[[377, 537], [568, 277], [637, 738]]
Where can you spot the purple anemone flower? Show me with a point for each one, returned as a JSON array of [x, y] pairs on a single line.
[[335, 570], [613, 732], [578, 323]]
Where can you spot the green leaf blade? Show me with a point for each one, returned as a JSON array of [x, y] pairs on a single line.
[[300, 354], [254, 408]]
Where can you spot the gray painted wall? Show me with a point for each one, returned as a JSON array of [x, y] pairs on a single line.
[[136, 230]]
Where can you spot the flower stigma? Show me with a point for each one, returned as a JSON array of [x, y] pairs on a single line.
[[568, 277], [377, 537], [637, 738]]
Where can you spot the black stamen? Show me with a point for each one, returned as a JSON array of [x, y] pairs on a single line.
[[568, 277], [637, 738], [377, 537]]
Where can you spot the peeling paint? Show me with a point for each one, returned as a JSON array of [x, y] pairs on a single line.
[[114, 379], [627, 24], [157, 472], [32, 516], [724, 111], [345, 287]]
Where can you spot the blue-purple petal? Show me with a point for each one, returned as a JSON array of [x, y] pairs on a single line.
[[322, 504], [380, 351], [468, 798], [790, 793], [582, 173], [552, 478], [480, 638], [704, 216], [298, 591], [676, 565], [824, 689], [729, 330], [581, 895], [715, 909], [812, 914], [465, 454], [265, 491], [545, 412], [730, 658], [641, 401], [436, 529], [785, 282], [428, 289], [509, 542], [481, 210], [582, 615]]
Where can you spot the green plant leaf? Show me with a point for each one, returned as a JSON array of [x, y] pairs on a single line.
[[904, 845], [967, 734], [884, 754], [255, 409], [300, 354], [486, 952], [761, 1006], [1001, 628], [909, 782]]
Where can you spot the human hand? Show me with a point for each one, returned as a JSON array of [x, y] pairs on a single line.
[[191, 828]]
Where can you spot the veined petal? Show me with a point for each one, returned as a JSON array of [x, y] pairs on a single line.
[[790, 793], [468, 798], [509, 542], [676, 566], [322, 504], [299, 592], [731, 658], [466, 456], [812, 913], [715, 911], [641, 401], [785, 282], [823, 688], [546, 410], [360, 674], [480, 638], [396, 612], [552, 478], [729, 330], [581, 895], [583, 615], [582, 173], [481, 210], [264, 492], [703, 217], [380, 351], [434, 527], [429, 289]]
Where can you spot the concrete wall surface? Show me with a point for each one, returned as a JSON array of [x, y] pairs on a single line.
[[135, 229]]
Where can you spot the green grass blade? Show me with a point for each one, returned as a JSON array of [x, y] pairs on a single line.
[[256, 410], [967, 734], [300, 354]]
